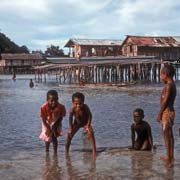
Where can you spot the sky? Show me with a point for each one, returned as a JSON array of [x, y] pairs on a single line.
[[40, 23]]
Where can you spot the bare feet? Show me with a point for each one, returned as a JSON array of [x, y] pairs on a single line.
[[169, 165], [168, 162], [164, 158]]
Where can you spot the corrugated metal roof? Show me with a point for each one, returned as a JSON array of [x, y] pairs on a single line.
[[21, 56], [155, 41], [177, 38], [94, 42]]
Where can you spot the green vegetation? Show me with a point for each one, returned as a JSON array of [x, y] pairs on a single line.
[[54, 51], [8, 46]]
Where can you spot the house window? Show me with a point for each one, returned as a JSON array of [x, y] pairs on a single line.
[[22, 62]]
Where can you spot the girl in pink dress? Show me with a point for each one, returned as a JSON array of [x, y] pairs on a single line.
[[51, 113]]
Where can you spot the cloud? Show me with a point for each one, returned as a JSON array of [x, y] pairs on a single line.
[[86, 6], [25, 9], [44, 43], [51, 29], [38, 23]]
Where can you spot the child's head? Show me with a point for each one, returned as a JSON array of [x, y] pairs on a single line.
[[138, 115], [167, 72], [78, 99], [52, 98]]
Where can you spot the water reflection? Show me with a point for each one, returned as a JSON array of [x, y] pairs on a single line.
[[169, 174], [141, 165], [75, 172], [144, 167], [51, 169], [87, 152]]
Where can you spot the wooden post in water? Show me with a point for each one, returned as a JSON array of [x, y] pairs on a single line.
[[44, 72], [159, 72]]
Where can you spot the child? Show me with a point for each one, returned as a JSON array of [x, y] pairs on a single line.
[[166, 114], [31, 84], [14, 76], [80, 116], [52, 113], [142, 129]]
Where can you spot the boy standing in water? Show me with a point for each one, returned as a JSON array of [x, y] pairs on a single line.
[[52, 113], [166, 114], [141, 128], [80, 116]]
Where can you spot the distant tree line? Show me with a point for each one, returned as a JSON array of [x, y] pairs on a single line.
[[8, 46], [52, 51]]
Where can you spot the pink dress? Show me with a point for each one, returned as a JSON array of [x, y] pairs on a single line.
[[51, 117]]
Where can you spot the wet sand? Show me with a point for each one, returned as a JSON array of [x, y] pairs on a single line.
[[110, 164], [23, 154]]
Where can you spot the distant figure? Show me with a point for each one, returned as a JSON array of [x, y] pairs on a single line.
[[52, 113], [142, 131], [166, 114], [14, 76], [81, 82], [78, 57], [31, 84], [80, 117]]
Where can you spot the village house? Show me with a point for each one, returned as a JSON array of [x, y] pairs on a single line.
[[19, 62], [93, 47], [165, 48]]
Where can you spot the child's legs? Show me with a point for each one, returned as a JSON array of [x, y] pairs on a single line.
[[146, 146], [167, 124], [171, 139], [75, 128], [167, 140], [47, 146], [138, 144], [91, 137], [55, 144]]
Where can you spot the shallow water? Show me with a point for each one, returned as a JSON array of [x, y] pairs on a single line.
[[23, 155]]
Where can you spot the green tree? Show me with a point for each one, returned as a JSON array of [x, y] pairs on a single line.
[[54, 51], [8, 46]]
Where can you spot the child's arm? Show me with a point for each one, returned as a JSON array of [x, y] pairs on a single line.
[[89, 116], [46, 125], [55, 125], [43, 115], [70, 120], [132, 136], [150, 136], [165, 101]]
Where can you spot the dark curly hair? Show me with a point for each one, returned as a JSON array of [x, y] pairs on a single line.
[[79, 96], [52, 93], [140, 111], [168, 70]]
